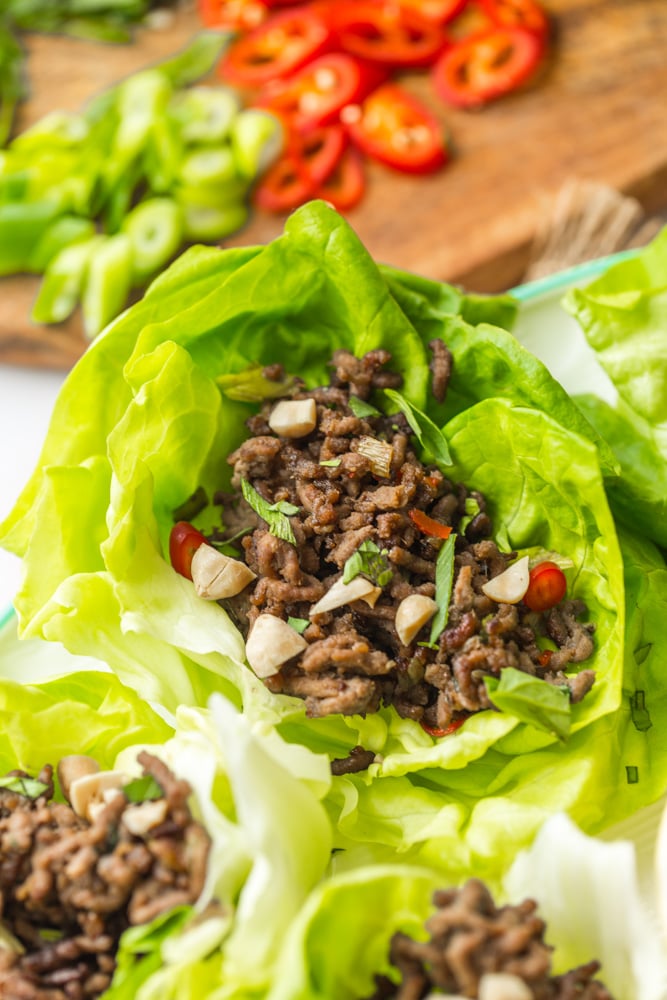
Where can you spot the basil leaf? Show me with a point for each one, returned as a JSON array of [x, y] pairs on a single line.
[[275, 514], [361, 408], [252, 386], [429, 436], [532, 700], [369, 560], [298, 624], [444, 578], [30, 787], [143, 789]]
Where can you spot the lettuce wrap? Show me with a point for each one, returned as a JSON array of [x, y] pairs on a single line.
[[257, 798], [623, 315], [141, 424], [588, 892]]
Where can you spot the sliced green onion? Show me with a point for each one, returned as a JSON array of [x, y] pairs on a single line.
[[444, 579], [107, 284], [155, 230]]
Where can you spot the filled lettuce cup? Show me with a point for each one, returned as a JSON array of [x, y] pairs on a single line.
[[141, 860], [154, 428]]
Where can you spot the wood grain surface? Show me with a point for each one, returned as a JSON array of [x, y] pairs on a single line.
[[597, 113]]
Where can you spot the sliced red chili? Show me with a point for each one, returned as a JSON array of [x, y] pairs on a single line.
[[184, 540], [440, 11], [388, 33], [544, 657], [315, 94], [281, 45], [310, 158], [429, 525], [344, 188], [319, 150], [486, 65], [438, 731], [395, 128], [546, 587], [525, 14], [284, 186], [232, 15]]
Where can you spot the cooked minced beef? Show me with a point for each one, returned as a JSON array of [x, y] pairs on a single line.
[[354, 661], [69, 887], [470, 939]]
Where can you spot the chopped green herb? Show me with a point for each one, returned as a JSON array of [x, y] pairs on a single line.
[[30, 787], [430, 436], [642, 652], [252, 386], [632, 774], [227, 546], [143, 789], [361, 408], [370, 560], [641, 718], [275, 514], [444, 579], [193, 505], [331, 463], [298, 624], [472, 509], [532, 700]]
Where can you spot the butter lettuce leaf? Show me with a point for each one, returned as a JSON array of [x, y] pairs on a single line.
[[623, 315], [163, 429]]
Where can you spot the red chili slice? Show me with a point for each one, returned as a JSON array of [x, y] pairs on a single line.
[[440, 11], [395, 128], [344, 188], [283, 187], [232, 15], [310, 158], [281, 45], [525, 14], [438, 731], [315, 94], [486, 66], [429, 525], [184, 541], [547, 586], [388, 33]]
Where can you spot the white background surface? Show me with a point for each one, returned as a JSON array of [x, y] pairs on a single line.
[[26, 400]]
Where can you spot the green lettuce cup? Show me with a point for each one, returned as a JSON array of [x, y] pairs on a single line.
[[142, 423]]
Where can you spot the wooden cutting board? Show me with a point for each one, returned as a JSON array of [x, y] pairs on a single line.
[[597, 113]]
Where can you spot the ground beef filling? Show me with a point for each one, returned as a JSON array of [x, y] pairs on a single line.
[[69, 887], [354, 661], [470, 940]]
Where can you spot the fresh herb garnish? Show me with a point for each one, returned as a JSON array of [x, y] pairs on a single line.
[[428, 434], [472, 509], [361, 408], [193, 505], [299, 624], [143, 789], [331, 463], [227, 546], [532, 700], [632, 774], [641, 718], [444, 579], [370, 560], [252, 386], [275, 514], [30, 787]]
